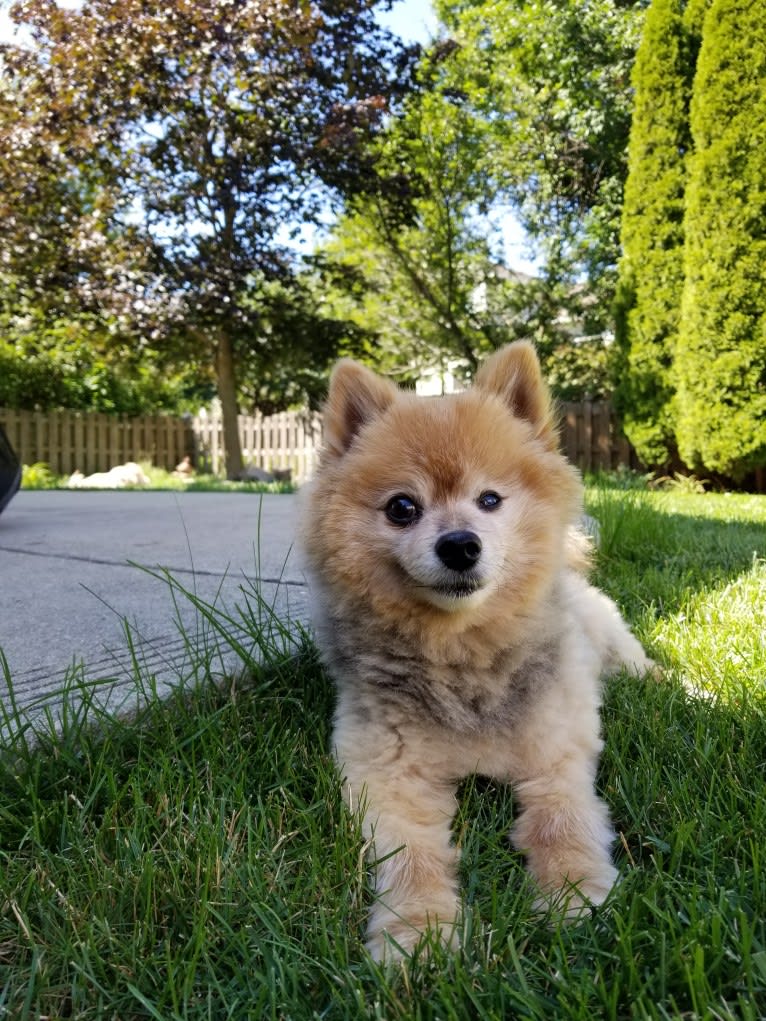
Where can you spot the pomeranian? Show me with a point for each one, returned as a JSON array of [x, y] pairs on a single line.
[[452, 611]]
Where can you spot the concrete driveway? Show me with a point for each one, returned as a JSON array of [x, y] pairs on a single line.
[[73, 603]]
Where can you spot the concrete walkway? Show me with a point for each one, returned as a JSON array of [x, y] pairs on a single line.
[[72, 603]]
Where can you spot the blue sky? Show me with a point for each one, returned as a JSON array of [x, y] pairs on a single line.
[[413, 20], [6, 28]]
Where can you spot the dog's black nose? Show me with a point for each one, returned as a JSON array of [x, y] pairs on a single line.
[[459, 550]]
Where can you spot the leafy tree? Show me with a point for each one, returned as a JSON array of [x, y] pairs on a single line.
[[414, 263], [651, 269], [299, 338], [408, 257], [216, 125], [65, 257], [721, 352], [550, 80]]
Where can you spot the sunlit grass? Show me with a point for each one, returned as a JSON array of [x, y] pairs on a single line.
[[717, 640], [195, 860], [690, 570]]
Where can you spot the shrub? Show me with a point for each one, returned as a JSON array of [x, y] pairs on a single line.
[[39, 476], [59, 368], [651, 269], [721, 355]]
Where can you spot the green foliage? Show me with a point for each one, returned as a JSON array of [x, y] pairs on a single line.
[[721, 361], [691, 305], [550, 83], [578, 371], [39, 476], [414, 265], [651, 269], [69, 365], [407, 261], [299, 335]]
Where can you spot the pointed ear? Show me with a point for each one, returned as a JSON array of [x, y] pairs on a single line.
[[513, 374], [356, 396]]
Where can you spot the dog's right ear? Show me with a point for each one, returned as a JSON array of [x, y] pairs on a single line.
[[513, 373], [356, 396]]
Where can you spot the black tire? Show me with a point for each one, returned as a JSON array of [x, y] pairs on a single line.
[[10, 471]]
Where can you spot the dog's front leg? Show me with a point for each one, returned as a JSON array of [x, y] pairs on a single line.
[[406, 817], [563, 827], [564, 831]]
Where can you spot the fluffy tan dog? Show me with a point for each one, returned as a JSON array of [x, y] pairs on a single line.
[[461, 633]]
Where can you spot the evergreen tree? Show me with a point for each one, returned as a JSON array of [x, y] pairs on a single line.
[[651, 269], [721, 351]]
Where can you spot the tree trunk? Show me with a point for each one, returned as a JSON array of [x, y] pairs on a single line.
[[227, 394]]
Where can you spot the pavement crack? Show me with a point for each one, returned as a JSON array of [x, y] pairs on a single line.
[[134, 565]]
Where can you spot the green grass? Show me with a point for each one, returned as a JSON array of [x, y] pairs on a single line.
[[197, 861]]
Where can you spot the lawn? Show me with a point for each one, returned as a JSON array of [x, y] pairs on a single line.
[[197, 861]]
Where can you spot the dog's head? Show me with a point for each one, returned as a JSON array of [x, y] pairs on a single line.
[[453, 504]]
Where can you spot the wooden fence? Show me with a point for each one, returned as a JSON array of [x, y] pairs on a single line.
[[290, 439], [90, 442], [592, 439]]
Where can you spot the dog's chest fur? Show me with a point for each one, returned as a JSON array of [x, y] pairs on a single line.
[[378, 669]]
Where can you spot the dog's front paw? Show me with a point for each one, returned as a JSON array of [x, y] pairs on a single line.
[[574, 900], [630, 656], [643, 666], [392, 944], [395, 938], [593, 890], [655, 670]]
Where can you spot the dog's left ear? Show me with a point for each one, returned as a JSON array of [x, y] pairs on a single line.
[[356, 396], [513, 374]]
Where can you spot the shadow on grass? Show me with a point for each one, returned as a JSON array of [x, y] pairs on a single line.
[[654, 550]]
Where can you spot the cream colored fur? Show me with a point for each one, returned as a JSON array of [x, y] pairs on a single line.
[[435, 681]]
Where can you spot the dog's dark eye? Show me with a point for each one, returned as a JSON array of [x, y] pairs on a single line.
[[402, 510], [489, 501]]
